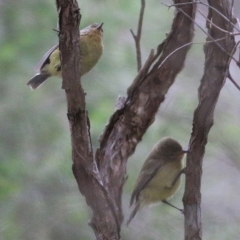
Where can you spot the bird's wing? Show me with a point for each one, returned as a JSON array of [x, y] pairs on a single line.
[[137, 207], [151, 167], [84, 45], [44, 59]]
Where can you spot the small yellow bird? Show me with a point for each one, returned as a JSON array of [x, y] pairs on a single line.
[[91, 47], [159, 178]]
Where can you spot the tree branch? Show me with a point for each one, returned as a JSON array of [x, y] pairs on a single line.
[[84, 167], [101, 179], [209, 36], [215, 73], [128, 124], [229, 61], [137, 37]]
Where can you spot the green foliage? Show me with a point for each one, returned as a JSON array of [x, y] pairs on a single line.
[[39, 198]]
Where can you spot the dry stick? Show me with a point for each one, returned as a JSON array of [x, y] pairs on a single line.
[[178, 4], [152, 58], [186, 45], [239, 58], [206, 32], [207, 5], [209, 36], [233, 81], [229, 21], [137, 37], [232, 33], [207, 19], [200, 2], [145, 70], [229, 24], [229, 74]]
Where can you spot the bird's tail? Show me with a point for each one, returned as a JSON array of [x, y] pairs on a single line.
[[137, 207], [37, 80]]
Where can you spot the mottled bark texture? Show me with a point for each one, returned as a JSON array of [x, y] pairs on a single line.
[[215, 73], [128, 124], [101, 179], [84, 167]]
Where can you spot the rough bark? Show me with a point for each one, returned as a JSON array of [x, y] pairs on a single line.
[[101, 179], [215, 72], [84, 166], [128, 124]]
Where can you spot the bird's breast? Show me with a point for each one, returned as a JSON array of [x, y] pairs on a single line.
[[160, 186], [91, 50]]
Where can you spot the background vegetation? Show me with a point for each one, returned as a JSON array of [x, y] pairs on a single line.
[[39, 198]]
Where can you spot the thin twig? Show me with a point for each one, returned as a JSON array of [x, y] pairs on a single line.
[[204, 30], [185, 45], [153, 57], [137, 37], [238, 64], [231, 12], [142, 72], [229, 76], [146, 69], [213, 23], [208, 35], [55, 30], [207, 5], [200, 2], [179, 4]]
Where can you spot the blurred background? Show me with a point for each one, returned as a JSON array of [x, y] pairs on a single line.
[[39, 198]]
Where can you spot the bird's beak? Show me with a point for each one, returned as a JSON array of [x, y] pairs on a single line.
[[100, 26]]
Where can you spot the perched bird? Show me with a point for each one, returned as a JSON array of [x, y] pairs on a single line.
[[91, 47], [159, 178]]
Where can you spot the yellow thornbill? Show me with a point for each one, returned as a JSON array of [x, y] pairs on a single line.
[[91, 47], [159, 178]]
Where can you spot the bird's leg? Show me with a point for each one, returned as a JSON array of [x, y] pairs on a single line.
[[166, 202], [177, 177]]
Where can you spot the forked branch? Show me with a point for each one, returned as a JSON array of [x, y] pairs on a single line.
[[137, 37]]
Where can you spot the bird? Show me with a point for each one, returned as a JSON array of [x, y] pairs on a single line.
[[91, 48], [159, 178]]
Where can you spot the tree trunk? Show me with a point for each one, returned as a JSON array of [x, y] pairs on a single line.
[[217, 59]]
